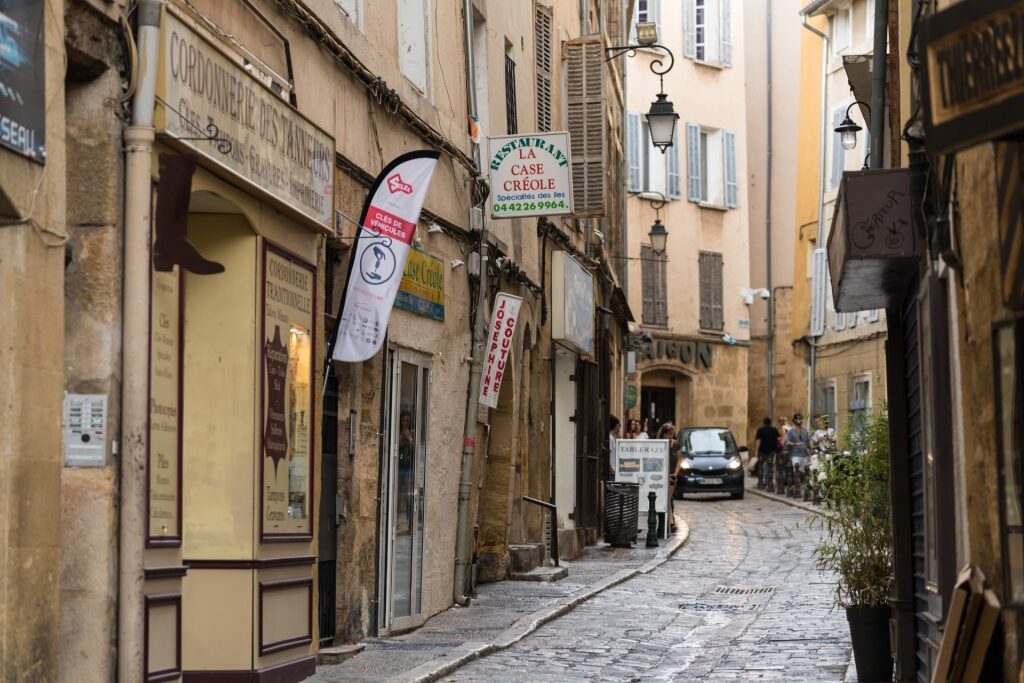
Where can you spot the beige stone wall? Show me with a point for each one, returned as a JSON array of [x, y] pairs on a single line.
[[842, 364], [32, 234]]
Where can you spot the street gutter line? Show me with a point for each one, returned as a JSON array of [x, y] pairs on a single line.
[[470, 651]]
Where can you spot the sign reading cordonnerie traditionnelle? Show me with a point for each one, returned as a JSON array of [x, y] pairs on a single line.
[[259, 137], [530, 175], [974, 84]]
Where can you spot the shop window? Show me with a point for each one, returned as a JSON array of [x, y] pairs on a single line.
[[412, 40], [711, 312], [652, 266]]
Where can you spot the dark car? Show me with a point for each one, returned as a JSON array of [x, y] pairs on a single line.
[[710, 462]]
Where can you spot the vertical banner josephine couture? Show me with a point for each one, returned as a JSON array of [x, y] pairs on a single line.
[[499, 345], [387, 225]]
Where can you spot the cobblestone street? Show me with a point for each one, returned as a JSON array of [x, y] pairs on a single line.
[[742, 600]]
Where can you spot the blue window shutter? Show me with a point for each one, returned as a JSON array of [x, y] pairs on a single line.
[[633, 151], [673, 167], [732, 188], [693, 162], [689, 40], [838, 153], [726, 31]]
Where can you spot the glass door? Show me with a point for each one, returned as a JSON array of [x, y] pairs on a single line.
[[405, 441]]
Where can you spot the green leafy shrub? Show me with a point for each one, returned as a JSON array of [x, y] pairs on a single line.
[[856, 515]]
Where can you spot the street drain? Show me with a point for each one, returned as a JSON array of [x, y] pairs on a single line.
[[717, 607], [395, 645], [733, 590]]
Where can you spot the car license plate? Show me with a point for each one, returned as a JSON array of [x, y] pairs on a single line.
[[710, 480]]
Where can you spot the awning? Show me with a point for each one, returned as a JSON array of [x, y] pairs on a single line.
[[858, 74], [620, 306]]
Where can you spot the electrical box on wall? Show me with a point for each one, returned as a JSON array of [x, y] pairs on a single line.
[[85, 430]]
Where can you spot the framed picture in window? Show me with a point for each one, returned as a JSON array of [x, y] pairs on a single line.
[[1008, 365]]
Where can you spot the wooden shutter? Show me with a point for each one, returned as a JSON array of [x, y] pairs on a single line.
[[673, 167], [711, 310], [542, 46], [634, 132], [660, 290], [693, 162], [838, 156], [726, 32], [689, 39], [647, 276], [585, 105], [732, 188]]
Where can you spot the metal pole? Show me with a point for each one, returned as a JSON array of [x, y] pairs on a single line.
[[768, 219], [476, 351]]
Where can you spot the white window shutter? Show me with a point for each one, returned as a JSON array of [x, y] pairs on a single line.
[[633, 149], [585, 114], [838, 153], [632, 22], [726, 32], [693, 162], [732, 187], [840, 323], [689, 39], [673, 167], [654, 14], [873, 315], [818, 286], [852, 320]]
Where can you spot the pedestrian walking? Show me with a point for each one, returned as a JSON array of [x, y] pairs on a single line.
[[668, 431], [766, 443], [823, 445], [797, 445]]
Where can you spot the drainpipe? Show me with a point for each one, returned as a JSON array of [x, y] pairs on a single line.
[[138, 147], [768, 221], [878, 69], [815, 284], [472, 399]]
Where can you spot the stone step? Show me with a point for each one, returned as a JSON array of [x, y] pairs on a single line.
[[525, 557], [338, 654], [545, 574]]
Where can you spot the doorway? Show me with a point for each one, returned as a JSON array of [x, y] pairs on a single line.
[[406, 411], [658, 406]]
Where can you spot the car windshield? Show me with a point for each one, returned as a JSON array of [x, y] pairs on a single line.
[[708, 442]]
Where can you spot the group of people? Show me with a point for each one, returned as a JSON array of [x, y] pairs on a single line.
[[635, 429], [788, 458]]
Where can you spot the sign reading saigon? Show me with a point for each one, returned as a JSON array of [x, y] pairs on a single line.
[[257, 135]]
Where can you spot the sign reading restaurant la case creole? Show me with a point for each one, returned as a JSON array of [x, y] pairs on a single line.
[[289, 288], [530, 175], [499, 346], [259, 137]]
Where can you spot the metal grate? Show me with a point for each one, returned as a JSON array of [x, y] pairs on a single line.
[[410, 647], [734, 590], [702, 606]]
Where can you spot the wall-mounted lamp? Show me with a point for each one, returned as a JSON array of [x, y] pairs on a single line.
[[848, 129], [662, 116]]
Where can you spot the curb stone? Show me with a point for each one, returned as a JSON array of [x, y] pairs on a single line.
[[467, 652]]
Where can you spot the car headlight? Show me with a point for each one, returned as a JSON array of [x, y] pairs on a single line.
[[735, 463], [686, 465]]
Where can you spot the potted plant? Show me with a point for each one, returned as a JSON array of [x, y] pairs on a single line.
[[856, 544]]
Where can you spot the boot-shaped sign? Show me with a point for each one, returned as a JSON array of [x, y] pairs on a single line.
[[172, 197]]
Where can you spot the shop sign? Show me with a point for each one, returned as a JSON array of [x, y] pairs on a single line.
[[644, 462], [572, 303], [530, 175], [23, 79], [289, 290], [387, 225], [165, 417], [685, 351], [974, 75], [209, 103], [421, 290], [498, 346]]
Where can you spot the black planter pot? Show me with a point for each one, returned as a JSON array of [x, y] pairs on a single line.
[[869, 631]]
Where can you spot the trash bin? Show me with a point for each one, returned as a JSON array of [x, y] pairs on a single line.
[[621, 507]]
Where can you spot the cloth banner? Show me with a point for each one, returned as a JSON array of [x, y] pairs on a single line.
[[499, 345], [387, 225]]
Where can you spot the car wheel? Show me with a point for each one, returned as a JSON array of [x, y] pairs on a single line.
[[737, 495]]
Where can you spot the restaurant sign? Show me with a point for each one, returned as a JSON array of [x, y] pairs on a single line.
[[974, 75], [530, 175], [210, 104], [421, 290]]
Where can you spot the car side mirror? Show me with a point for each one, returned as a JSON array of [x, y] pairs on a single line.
[[743, 449]]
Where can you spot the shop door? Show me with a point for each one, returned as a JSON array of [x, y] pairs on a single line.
[[406, 409], [658, 405]]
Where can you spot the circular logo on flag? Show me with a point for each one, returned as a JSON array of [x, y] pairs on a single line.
[[377, 263]]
